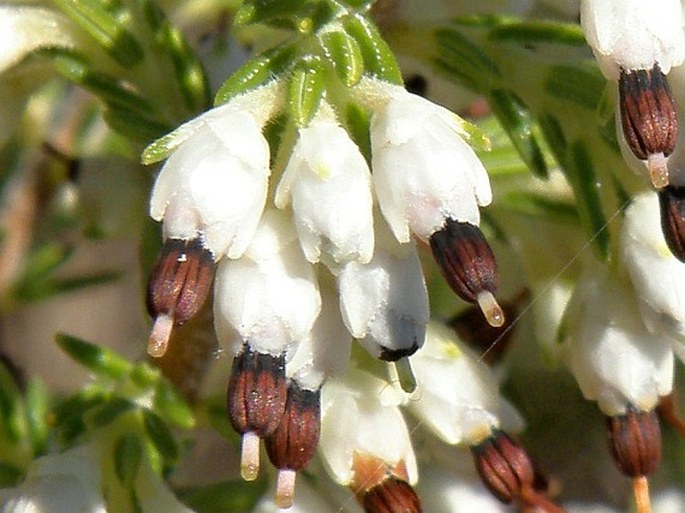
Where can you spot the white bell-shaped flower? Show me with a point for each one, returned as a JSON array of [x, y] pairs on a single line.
[[657, 276], [361, 418], [423, 169], [215, 181], [456, 395], [612, 355], [329, 184], [634, 34], [270, 296], [384, 303], [60, 483]]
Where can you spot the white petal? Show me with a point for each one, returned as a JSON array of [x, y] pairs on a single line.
[[423, 170], [385, 303], [614, 358], [356, 418], [658, 277], [329, 184], [272, 302], [211, 183], [634, 34], [326, 352], [456, 395]]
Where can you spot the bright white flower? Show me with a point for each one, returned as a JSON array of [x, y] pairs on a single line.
[[456, 395], [214, 184], [658, 277], [423, 169], [613, 356], [270, 296], [634, 34], [360, 415], [60, 483], [329, 183], [326, 351], [385, 303]]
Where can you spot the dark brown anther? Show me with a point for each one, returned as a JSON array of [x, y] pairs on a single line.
[[179, 283], [504, 466], [257, 394], [393, 495], [648, 119], [468, 265], [635, 442], [672, 204], [293, 444]]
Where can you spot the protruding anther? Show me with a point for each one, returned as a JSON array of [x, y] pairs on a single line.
[[405, 374], [285, 488], [491, 310], [249, 457], [658, 170], [159, 337], [641, 491], [467, 263]]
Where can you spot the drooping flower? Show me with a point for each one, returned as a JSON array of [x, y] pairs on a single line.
[[637, 44], [329, 184], [615, 359]]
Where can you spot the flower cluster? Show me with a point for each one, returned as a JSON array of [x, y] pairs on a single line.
[[316, 252]]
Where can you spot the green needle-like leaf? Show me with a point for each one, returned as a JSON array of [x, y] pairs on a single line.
[[257, 71], [345, 55], [518, 122], [127, 455], [305, 90], [98, 359], [160, 436], [379, 60]]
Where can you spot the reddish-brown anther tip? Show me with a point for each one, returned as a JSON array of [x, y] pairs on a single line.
[[672, 205], [257, 392], [465, 259], [648, 113], [392, 495], [180, 281], [504, 466], [635, 442], [294, 441]]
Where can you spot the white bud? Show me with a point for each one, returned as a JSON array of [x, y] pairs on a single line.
[[329, 184], [214, 184], [613, 356], [633, 34], [360, 415], [270, 296], [423, 169]]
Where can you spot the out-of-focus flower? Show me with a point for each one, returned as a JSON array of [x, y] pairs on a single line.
[[657, 275], [615, 359], [69, 482]]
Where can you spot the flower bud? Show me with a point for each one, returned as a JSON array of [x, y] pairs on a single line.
[[393, 495], [672, 204], [257, 396], [178, 286], [648, 119], [504, 466], [635, 441], [293, 444], [468, 265]]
